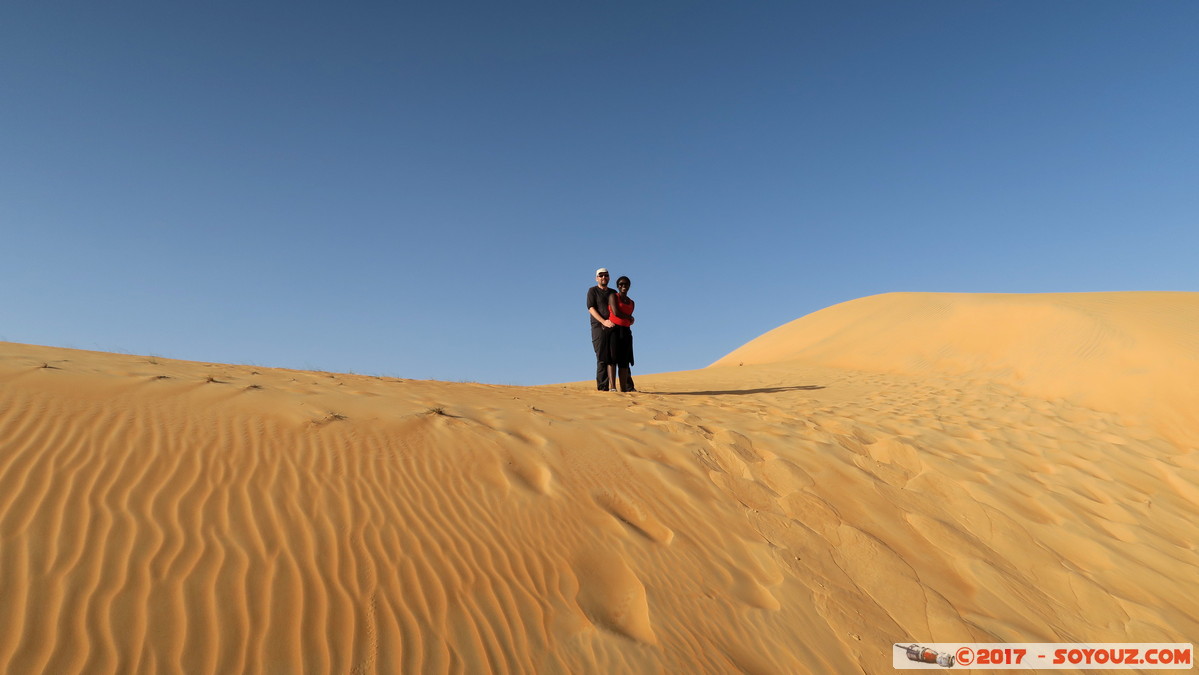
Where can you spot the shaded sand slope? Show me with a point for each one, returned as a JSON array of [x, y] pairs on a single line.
[[1135, 353], [167, 516]]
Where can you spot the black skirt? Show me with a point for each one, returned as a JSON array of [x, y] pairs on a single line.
[[620, 346]]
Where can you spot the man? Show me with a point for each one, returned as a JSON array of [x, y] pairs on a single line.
[[597, 307]]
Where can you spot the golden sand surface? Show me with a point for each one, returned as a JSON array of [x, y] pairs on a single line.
[[905, 467]]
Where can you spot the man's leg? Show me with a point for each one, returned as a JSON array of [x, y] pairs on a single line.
[[601, 366]]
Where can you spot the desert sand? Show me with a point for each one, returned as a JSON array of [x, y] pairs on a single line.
[[904, 467]]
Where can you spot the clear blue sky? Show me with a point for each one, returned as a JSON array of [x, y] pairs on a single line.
[[424, 190]]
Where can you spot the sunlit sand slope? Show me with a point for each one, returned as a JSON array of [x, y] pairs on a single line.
[[1135, 353], [166, 516]]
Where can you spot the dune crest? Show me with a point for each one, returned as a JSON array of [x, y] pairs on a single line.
[[1136, 353]]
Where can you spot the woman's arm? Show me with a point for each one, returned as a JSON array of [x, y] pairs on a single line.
[[614, 308]]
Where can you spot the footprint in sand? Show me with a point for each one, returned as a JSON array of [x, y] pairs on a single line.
[[706, 459], [635, 516], [850, 443], [612, 597], [530, 473], [783, 476], [812, 511], [721, 459], [666, 415], [750, 493], [747, 589], [897, 453], [738, 444]]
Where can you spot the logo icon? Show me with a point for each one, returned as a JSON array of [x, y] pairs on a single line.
[[926, 655]]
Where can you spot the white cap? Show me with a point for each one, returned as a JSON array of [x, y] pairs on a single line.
[[602, 270]]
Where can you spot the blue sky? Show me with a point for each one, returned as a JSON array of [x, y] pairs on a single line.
[[425, 190]]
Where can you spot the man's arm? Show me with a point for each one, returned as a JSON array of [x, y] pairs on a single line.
[[607, 323]]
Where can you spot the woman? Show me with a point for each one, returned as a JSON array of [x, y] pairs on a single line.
[[620, 312]]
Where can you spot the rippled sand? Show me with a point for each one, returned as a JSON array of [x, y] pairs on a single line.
[[908, 467]]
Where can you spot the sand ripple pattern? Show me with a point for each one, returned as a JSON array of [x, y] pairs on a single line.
[[168, 517], [133, 543]]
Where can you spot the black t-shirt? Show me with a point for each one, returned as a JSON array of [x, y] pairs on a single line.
[[598, 298]]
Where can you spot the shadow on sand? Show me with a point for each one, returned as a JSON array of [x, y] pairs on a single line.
[[763, 390]]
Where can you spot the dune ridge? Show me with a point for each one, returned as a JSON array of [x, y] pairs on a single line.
[[1136, 353], [787, 515]]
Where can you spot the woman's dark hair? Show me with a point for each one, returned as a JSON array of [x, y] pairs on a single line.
[[623, 280]]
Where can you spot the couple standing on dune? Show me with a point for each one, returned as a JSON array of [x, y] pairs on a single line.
[[611, 318]]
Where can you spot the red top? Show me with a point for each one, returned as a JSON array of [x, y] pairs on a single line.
[[625, 308]]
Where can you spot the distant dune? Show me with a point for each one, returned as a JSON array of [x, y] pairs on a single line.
[[900, 468]]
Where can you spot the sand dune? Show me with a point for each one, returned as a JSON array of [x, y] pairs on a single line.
[[882, 471], [1132, 353]]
